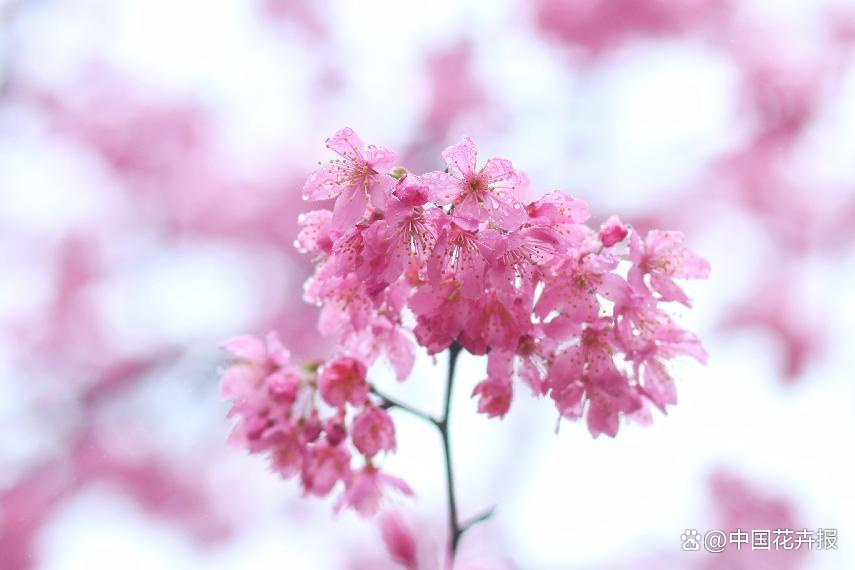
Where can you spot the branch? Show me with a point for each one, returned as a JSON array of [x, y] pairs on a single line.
[[388, 402], [478, 519], [453, 522], [455, 529]]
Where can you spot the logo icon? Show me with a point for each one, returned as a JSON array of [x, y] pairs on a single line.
[[691, 540]]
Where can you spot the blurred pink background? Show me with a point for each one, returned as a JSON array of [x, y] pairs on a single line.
[[151, 157]]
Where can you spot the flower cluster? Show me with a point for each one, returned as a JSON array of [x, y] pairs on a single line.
[[279, 412], [464, 256]]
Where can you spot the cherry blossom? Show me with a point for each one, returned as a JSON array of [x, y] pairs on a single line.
[[356, 180], [662, 256], [461, 260], [493, 192]]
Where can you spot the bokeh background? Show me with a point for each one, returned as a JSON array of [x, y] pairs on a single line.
[[151, 157]]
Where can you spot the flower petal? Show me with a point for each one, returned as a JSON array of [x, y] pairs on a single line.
[[461, 158], [347, 144]]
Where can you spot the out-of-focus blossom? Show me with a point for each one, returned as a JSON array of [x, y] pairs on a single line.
[[373, 432], [399, 540], [596, 27]]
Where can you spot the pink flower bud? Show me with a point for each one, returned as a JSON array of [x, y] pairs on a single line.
[[411, 191], [312, 427], [335, 431], [282, 387], [613, 231]]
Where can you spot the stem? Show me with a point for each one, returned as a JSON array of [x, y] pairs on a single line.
[[454, 528], [478, 518], [389, 402]]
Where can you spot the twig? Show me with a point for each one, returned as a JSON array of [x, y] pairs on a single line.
[[388, 402], [453, 522], [455, 529]]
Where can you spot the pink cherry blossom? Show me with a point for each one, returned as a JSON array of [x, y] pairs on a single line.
[[442, 312], [576, 289], [317, 235], [343, 381], [517, 260], [357, 180], [373, 432], [529, 361], [498, 322], [410, 230], [494, 395], [490, 193], [282, 386], [253, 360], [460, 255], [387, 337], [366, 489], [662, 256], [276, 412], [324, 465], [585, 377], [458, 260]]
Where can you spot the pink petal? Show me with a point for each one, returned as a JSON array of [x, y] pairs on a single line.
[[500, 364], [461, 158], [693, 266], [471, 273], [669, 290], [495, 396], [568, 400], [245, 347], [324, 183], [602, 420], [500, 173], [562, 328], [398, 484], [401, 354], [556, 207], [522, 189], [636, 248], [504, 210], [350, 207], [614, 288], [567, 368], [239, 383], [659, 386], [658, 240], [442, 187], [276, 350], [380, 158], [346, 143], [380, 188]]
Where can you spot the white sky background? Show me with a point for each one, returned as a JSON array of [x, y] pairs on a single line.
[[565, 501]]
